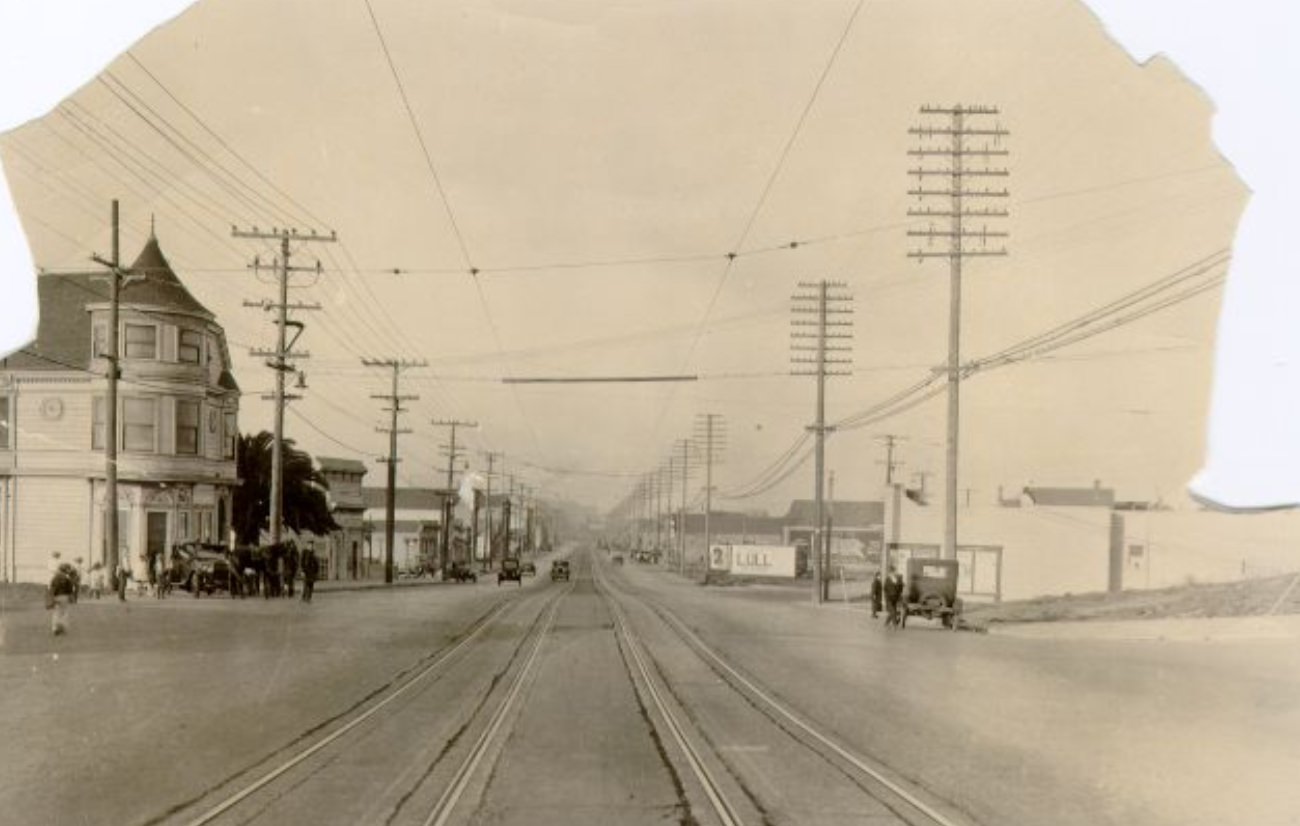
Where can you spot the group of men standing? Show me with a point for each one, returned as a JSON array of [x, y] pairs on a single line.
[[272, 575], [272, 570], [890, 591]]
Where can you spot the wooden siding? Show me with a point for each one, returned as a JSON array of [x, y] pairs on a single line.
[[51, 514]]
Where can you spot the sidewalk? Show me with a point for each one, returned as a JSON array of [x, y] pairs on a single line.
[[1210, 629]]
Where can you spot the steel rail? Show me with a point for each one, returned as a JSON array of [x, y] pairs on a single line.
[[855, 760], [272, 775], [721, 806], [442, 810]]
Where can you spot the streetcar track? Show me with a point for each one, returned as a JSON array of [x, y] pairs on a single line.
[[718, 751], [688, 816], [446, 804], [395, 687], [451, 742], [722, 807], [852, 766]]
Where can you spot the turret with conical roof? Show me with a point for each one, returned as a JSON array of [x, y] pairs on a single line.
[[157, 286]]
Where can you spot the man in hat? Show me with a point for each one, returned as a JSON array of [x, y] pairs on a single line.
[[893, 589], [59, 596]]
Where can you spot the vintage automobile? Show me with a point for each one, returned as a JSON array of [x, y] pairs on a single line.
[[528, 569], [200, 568], [560, 570], [510, 569], [460, 572], [931, 591]]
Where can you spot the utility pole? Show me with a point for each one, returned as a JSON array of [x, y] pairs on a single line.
[[659, 506], [890, 441], [826, 300], [672, 538], [709, 429], [685, 445], [278, 359], [528, 502], [830, 534], [117, 278], [395, 400], [896, 500], [507, 517], [448, 503], [492, 456], [958, 150]]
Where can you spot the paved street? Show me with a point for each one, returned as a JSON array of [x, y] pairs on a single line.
[[529, 703]]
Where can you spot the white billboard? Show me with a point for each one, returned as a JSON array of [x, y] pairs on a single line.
[[754, 560]]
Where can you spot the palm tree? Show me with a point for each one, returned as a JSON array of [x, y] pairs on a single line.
[[305, 507]]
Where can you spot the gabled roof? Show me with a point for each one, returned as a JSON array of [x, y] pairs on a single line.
[[803, 513], [1093, 497]]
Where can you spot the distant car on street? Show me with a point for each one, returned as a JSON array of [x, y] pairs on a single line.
[[460, 572], [618, 559], [528, 569], [510, 569], [560, 570], [200, 568]]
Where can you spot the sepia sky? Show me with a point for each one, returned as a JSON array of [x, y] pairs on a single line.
[[597, 162]]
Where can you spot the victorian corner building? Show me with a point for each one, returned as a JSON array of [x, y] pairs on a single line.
[[177, 422]]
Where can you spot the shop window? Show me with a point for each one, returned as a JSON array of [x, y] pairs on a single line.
[[187, 427], [4, 423]]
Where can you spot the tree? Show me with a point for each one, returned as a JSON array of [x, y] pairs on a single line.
[[305, 507]]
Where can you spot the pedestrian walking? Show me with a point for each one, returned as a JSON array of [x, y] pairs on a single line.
[[893, 589], [310, 569], [877, 593], [58, 597]]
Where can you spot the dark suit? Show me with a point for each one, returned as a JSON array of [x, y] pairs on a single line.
[[893, 594]]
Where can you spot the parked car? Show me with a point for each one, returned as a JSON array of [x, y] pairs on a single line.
[[460, 572], [932, 591], [200, 568], [618, 559], [528, 569], [560, 570], [510, 569]]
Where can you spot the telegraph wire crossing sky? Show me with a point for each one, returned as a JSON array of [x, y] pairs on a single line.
[[608, 196]]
